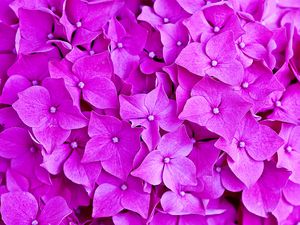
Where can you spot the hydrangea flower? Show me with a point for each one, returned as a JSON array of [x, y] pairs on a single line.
[[29, 212], [176, 112], [221, 110], [152, 111], [215, 58], [49, 111], [252, 144], [169, 163], [89, 76], [114, 143]]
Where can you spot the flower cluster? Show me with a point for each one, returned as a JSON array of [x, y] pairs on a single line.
[[140, 112]]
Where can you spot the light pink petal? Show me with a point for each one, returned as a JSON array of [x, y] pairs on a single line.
[[194, 113], [137, 202], [54, 161], [176, 143], [98, 149], [184, 204], [90, 67], [107, 201], [50, 135], [33, 106], [151, 168], [179, 171], [194, 59], [54, 211], [12, 87], [18, 208], [100, 92], [245, 168], [14, 142]]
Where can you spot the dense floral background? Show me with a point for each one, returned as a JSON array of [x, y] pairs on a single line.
[[166, 112]]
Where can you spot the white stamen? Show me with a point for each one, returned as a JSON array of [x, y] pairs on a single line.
[[124, 187], [242, 45], [179, 43], [151, 55], [216, 110], [115, 139], [166, 20], [150, 117], [218, 169], [78, 24], [278, 103], [50, 36], [120, 45], [242, 144], [289, 148], [52, 109], [74, 144], [182, 193], [92, 52], [216, 29], [34, 82], [167, 160], [81, 85], [245, 84], [34, 222], [214, 63]]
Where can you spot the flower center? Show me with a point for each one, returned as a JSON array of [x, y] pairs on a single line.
[[179, 43], [115, 139], [214, 63], [216, 29], [218, 169], [216, 110], [81, 85], [34, 222], [289, 148], [92, 52], [124, 187], [50, 36], [151, 55], [242, 45], [78, 24], [167, 160], [52, 109], [120, 45], [245, 85], [74, 144], [182, 193], [34, 82], [166, 20], [242, 144], [278, 103], [150, 117]]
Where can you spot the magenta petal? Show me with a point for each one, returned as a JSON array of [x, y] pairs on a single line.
[[245, 168], [54, 161], [14, 142], [176, 143], [107, 201], [81, 173], [51, 135], [12, 87], [18, 208], [151, 168], [33, 106], [101, 93], [180, 204], [54, 211], [179, 171]]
